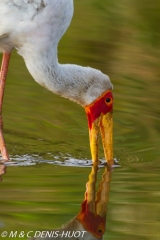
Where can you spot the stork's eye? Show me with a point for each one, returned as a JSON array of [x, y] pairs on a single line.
[[108, 100]]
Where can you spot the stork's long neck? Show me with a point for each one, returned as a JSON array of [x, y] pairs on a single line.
[[80, 84]]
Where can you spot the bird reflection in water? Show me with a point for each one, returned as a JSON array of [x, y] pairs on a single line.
[[94, 207], [90, 222]]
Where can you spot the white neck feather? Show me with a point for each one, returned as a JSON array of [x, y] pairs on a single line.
[[80, 84], [36, 38]]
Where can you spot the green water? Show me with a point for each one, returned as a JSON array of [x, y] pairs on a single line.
[[122, 40]]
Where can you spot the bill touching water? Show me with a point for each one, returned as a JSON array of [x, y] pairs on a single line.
[[42, 128]]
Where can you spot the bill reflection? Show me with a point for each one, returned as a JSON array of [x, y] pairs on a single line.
[[90, 222]]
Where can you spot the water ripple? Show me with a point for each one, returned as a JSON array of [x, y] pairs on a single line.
[[27, 160]]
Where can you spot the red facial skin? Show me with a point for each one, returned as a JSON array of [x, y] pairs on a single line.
[[98, 107]]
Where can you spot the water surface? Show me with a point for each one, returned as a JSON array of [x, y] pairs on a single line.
[[122, 40]]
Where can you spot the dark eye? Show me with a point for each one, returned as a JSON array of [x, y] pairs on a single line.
[[100, 231], [108, 100]]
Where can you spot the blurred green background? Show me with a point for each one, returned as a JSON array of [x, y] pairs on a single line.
[[121, 38]]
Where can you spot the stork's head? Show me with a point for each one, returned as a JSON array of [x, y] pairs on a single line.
[[99, 114], [93, 90], [98, 104]]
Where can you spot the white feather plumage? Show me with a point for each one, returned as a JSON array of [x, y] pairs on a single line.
[[34, 28]]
